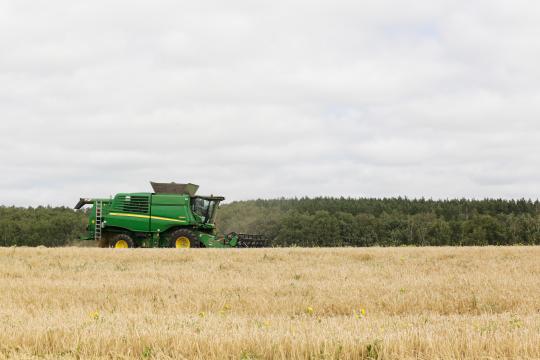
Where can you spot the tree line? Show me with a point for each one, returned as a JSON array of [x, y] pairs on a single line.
[[46, 226], [385, 222], [322, 222]]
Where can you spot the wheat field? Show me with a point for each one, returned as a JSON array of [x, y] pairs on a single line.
[[377, 303]]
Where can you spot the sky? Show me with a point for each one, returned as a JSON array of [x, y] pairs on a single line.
[[266, 99]]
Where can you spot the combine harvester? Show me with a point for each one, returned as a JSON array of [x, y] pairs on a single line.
[[172, 216]]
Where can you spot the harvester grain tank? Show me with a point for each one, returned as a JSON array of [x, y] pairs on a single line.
[[171, 216]]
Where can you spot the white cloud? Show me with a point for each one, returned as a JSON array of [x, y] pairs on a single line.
[[284, 98]]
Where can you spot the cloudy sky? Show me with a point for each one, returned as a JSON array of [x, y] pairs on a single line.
[[266, 99]]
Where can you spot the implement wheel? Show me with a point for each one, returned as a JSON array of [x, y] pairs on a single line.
[[121, 241], [183, 239]]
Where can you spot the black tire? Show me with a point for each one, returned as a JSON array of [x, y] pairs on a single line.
[[182, 235], [120, 241]]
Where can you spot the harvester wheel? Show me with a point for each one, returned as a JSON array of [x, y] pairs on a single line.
[[183, 239], [103, 243], [121, 241]]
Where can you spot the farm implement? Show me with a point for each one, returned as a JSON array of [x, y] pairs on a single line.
[[172, 216]]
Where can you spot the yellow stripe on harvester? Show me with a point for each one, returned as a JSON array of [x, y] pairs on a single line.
[[147, 217], [130, 215], [167, 219]]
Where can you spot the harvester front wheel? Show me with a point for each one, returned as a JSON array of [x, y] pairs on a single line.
[[121, 241], [183, 239]]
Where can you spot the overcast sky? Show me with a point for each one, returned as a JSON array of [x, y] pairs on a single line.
[[256, 99]]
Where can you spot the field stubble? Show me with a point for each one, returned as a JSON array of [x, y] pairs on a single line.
[[378, 303]]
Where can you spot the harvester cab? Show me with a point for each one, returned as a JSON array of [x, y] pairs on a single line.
[[204, 208], [171, 216]]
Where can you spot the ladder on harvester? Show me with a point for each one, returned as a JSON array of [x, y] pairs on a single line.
[[99, 219]]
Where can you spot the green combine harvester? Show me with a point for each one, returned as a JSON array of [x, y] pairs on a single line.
[[172, 216]]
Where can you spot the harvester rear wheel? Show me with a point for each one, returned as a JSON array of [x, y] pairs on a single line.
[[121, 241], [105, 240], [103, 243], [183, 239]]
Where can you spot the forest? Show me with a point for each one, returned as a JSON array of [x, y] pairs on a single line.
[[46, 226], [323, 222], [385, 222]]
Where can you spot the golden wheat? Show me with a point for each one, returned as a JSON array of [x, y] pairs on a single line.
[[393, 303]]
